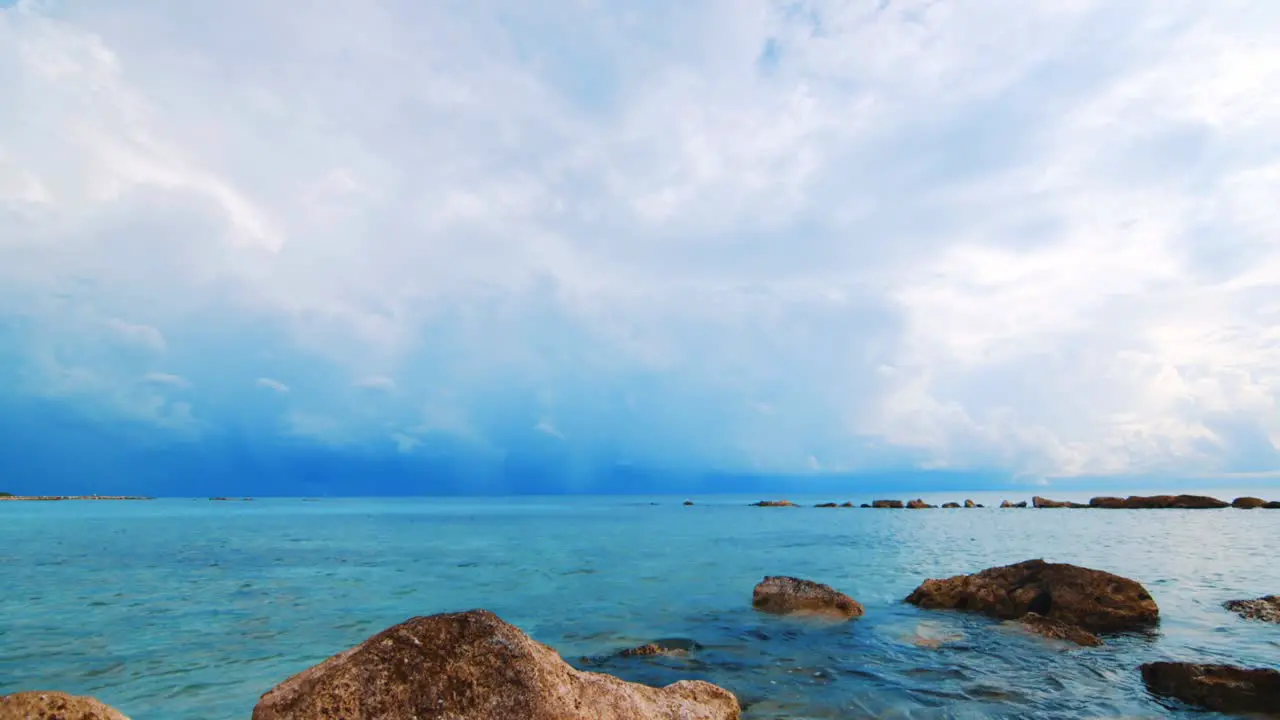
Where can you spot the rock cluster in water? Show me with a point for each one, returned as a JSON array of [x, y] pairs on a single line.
[[774, 503], [1221, 688], [48, 705], [474, 666], [788, 595], [1266, 609], [1092, 600]]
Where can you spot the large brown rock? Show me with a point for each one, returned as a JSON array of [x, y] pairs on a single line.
[[787, 596], [1159, 502], [951, 505], [49, 705], [1248, 503], [970, 504], [1092, 599], [1266, 609], [886, 503], [774, 503], [474, 666], [1221, 688], [918, 504]]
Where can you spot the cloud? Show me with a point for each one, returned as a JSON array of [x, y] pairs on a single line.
[[769, 237], [168, 379], [272, 384]]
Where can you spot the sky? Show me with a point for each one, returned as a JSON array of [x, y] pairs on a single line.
[[582, 246]]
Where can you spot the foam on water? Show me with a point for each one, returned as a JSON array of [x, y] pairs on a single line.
[[191, 609]]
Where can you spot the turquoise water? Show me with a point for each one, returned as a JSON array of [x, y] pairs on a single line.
[[177, 609]]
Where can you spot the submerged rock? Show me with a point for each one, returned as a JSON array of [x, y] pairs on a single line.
[[1158, 502], [1040, 502], [1095, 600], [886, 503], [1248, 503], [826, 505], [951, 505], [918, 504], [687, 503], [1058, 630], [474, 666], [667, 647], [787, 595], [774, 503], [1221, 688], [1266, 609], [49, 705]]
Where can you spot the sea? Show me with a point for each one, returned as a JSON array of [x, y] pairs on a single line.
[[186, 609]]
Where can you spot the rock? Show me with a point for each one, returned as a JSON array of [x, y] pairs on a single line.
[[669, 647], [886, 503], [474, 666], [687, 503], [1273, 505], [847, 505], [1007, 504], [787, 595], [1040, 502], [1159, 502], [970, 504], [1058, 630], [918, 504], [1248, 503], [1092, 599], [1266, 609], [865, 505], [774, 503], [1221, 688], [950, 505], [49, 705], [827, 505]]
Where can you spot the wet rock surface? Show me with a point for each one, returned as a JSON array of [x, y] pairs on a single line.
[[1221, 688], [1095, 600], [469, 666], [1266, 609], [51, 705], [886, 504], [784, 595], [1058, 630]]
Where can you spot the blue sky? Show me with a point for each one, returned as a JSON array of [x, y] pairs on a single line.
[[586, 246]]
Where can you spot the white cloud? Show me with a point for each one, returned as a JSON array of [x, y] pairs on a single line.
[[1038, 238], [169, 379], [272, 384]]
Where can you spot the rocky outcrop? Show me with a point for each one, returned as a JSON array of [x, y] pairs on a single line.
[[1266, 609], [1248, 503], [1158, 502], [886, 504], [918, 504], [789, 596], [847, 505], [474, 666], [865, 505], [827, 505], [669, 647], [1007, 504], [48, 705], [1040, 502], [687, 503], [970, 504], [1273, 505], [774, 503], [1058, 630], [1095, 600], [1220, 688], [951, 505]]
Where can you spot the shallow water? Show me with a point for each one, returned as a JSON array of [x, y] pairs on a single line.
[[191, 609]]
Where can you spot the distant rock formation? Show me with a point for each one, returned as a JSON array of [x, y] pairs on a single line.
[[783, 595], [774, 503], [951, 505], [1248, 503], [1094, 600], [1007, 504], [474, 666], [918, 504], [1040, 502], [886, 504], [49, 705], [826, 505], [687, 503], [1266, 609], [1220, 688], [865, 505], [970, 504], [847, 505], [1158, 502]]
